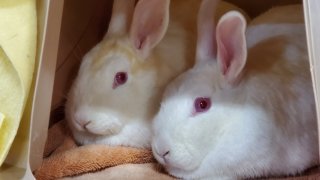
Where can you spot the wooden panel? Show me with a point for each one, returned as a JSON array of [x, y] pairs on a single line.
[[48, 49]]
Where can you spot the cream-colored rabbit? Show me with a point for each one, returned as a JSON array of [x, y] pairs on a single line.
[[121, 80]]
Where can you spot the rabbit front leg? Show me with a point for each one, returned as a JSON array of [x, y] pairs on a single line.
[[105, 125], [98, 123]]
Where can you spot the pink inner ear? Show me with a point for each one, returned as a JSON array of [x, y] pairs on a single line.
[[140, 42], [224, 55], [148, 31], [150, 22], [231, 45]]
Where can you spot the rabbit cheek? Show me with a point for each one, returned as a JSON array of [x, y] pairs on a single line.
[[184, 156], [179, 159]]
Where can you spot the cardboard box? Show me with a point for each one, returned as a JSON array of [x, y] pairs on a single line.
[[60, 50], [78, 37], [312, 16]]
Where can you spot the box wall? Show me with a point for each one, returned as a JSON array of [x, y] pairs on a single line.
[[312, 16]]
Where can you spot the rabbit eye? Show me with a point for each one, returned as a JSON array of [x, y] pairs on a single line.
[[119, 79], [202, 104]]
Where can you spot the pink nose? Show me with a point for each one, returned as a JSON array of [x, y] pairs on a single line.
[[81, 120], [163, 154], [83, 123]]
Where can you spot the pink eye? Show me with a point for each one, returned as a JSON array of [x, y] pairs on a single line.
[[119, 79], [202, 104]]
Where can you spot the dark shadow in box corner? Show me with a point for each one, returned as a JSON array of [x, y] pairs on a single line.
[[255, 7], [84, 24]]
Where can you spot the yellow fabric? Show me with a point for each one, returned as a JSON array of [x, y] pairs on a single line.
[[18, 33], [1, 119]]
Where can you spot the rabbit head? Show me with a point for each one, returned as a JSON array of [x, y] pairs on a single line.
[[115, 92]]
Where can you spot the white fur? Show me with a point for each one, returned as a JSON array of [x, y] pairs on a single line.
[[264, 126], [122, 116]]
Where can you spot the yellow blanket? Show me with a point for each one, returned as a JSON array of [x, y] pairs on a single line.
[[1, 119], [18, 33]]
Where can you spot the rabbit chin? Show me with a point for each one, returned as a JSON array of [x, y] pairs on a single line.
[[182, 173], [135, 134], [203, 171]]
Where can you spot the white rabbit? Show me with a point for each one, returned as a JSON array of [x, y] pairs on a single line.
[[245, 110], [120, 82]]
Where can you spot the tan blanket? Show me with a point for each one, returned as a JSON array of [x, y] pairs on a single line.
[[63, 159]]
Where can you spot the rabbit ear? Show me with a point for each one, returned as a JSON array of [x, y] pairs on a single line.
[[206, 41], [231, 46], [122, 11], [149, 24]]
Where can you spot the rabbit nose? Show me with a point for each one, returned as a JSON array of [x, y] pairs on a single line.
[[161, 148], [83, 124], [165, 155]]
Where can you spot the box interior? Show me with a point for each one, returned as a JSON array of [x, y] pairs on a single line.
[[83, 25], [82, 28]]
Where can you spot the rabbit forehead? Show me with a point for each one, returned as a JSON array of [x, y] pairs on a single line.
[[121, 48], [201, 80], [180, 94], [112, 49]]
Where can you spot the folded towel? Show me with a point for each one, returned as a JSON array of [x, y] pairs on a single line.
[[18, 34], [65, 158], [147, 171]]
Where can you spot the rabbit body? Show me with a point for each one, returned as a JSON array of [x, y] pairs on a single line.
[[262, 118], [148, 54]]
